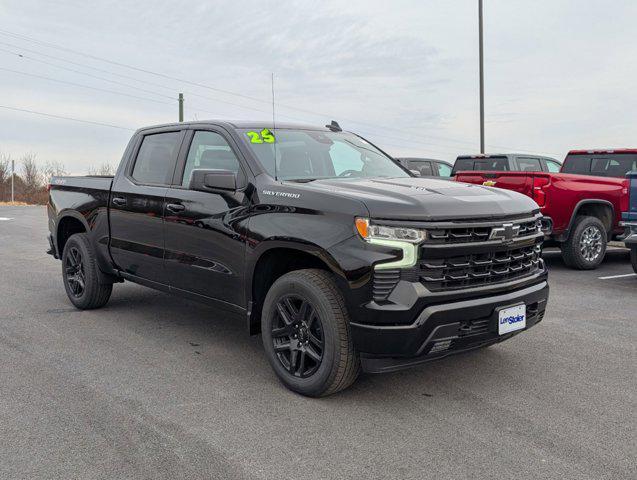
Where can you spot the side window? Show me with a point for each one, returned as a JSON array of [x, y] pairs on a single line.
[[423, 167], [553, 167], [209, 150], [444, 170], [527, 164], [156, 158]]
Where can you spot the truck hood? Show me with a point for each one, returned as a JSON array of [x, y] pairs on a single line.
[[428, 199]]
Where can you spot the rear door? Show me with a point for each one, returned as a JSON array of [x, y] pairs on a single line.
[[205, 248], [136, 205]]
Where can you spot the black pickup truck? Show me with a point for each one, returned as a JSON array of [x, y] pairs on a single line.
[[316, 238]]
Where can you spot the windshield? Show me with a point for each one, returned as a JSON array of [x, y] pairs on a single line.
[[602, 165], [311, 154]]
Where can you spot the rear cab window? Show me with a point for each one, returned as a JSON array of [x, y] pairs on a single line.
[[600, 164], [492, 164]]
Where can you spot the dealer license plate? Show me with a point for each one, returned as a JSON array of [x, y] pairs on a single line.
[[511, 319]]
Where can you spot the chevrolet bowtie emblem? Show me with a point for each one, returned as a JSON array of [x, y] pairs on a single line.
[[489, 183], [507, 232]]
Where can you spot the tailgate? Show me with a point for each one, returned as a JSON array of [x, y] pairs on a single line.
[[521, 182]]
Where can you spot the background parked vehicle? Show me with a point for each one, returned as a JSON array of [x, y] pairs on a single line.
[[629, 220], [338, 255], [427, 167], [582, 208], [510, 162]]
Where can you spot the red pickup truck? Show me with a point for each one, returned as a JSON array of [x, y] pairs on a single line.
[[581, 204]]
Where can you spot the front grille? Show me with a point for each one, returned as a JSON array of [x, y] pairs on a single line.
[[460, 255], [475, 269], [475, 233]]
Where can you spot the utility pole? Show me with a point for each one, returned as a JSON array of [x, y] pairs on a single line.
[[481, 77], [12, 177], [181, 107]]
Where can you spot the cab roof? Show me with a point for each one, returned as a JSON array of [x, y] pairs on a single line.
[[597, 152], [243, 124]]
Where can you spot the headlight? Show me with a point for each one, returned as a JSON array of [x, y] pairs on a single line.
[[381, 232], [405, 239]]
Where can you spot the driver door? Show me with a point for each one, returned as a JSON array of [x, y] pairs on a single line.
[[205, 248]]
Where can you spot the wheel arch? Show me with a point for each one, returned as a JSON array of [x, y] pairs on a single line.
[[602, 209], [69, 223], [274, 259]]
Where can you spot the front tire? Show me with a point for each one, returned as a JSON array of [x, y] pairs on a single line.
[[586, 244], [80, 275], [633, 258], [306, 334]]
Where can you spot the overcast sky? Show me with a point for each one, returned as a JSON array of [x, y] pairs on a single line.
[[559, 74]]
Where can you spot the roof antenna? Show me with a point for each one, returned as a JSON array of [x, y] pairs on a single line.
[[274, 127], [334, 126]]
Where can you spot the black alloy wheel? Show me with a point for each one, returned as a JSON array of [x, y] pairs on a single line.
[[75, 273], [306, 333], [81, 275], [297, 336]]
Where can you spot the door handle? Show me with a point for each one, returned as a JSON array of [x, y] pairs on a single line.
[[119, 201], [175, 207]]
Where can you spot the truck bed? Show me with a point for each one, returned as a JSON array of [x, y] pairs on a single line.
[[559, 195], [94, 182]]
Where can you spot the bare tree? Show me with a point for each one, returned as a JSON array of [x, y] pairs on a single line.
[[31, 174], [5, 170], [5, 177], [53, 168], [105, 169]]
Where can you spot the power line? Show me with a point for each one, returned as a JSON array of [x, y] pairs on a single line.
[[125, 76], [128, 85], [61, 117], [248, 97], [83, 86]]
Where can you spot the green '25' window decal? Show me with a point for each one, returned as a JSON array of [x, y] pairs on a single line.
[[265, 136]]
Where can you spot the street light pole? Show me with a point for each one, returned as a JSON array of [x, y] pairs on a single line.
[[481, 77], [181, 107]]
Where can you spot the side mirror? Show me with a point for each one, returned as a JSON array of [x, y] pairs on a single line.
[[415, 172], [207, 180]]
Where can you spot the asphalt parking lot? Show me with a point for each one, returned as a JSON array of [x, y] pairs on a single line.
[[153, 386]]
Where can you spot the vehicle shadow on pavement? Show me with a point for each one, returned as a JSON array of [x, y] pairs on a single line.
[[616, 256]]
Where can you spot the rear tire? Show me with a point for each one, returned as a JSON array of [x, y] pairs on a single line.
[[80, 274], [306, 334], [586, 244], [633, 258]]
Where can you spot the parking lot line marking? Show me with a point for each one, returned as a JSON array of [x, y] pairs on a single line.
[[618, 276], [5, 219]]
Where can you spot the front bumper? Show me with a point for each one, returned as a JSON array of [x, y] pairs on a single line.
[[444, 329]]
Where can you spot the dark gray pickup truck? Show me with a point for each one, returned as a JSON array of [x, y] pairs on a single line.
[[339, 256]]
